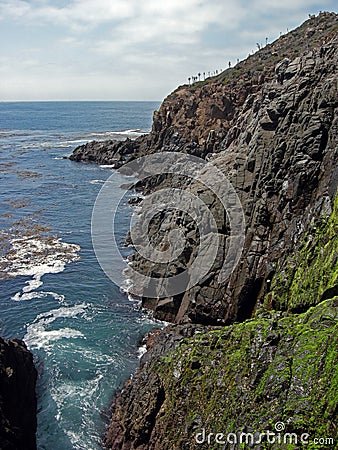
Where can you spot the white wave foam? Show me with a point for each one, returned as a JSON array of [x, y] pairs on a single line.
[[141, 351], [138, 132], [33, 284], [38, 336], [107, 166], [35, 257], [41, 294], [127, 282], [96, 181], [62, 144], [85, 394], [39, 255]]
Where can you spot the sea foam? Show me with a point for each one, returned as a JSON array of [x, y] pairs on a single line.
[[39, 336], [35, 257]]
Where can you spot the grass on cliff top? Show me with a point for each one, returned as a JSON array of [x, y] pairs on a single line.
[[312, 34]]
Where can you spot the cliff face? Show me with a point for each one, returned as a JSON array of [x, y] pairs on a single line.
[[242, 378], [17, 396], [275, 368], [215, 104], [197, 118], [281, 157], [270, 125]]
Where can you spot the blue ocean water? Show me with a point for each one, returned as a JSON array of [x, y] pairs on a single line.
[[82, 329]]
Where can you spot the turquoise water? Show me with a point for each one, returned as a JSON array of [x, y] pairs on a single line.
[[83, 331]]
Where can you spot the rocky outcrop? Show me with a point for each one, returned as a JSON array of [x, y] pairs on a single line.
[[17, 396], [281, 157], [245, 378], [276, 143], [144, 411], [196, 118], [110, 152], [277, 367]]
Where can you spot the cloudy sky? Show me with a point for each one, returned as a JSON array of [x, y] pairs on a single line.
[[130, 49]]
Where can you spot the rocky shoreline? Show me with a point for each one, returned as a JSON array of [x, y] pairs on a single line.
[[259, 349]]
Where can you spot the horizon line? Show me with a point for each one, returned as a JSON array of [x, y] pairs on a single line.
[[65, 101]]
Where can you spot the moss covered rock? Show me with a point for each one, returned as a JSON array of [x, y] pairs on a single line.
[[250, 376], [310, 275], [245, 378]]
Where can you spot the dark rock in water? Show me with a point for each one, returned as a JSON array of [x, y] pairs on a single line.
[[114, 153], [135, 200], [17, 396]]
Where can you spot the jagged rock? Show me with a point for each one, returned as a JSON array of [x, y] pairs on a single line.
[[17, 396], [277, 145], [189, 113], [280, 69], [280, 175]]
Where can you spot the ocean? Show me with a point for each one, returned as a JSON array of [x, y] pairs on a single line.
[[83, 330]]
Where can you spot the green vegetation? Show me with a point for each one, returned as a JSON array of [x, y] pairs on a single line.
[[311, 274], [249, 376]]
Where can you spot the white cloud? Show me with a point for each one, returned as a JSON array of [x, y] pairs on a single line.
[[14, 9], [77, 13], [135, 49], [185, 16]]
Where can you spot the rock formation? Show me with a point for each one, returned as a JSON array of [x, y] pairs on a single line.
[[17, 396], [246, 378], [259, 348]]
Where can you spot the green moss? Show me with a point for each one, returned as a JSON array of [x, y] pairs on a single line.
[[311, 273], [252, 375]]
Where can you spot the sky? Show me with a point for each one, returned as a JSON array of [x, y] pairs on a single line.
[[131, 49]]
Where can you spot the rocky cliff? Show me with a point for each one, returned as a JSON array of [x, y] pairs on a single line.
[[281, 157], [260, 347], [196, 118], [276, 369], [17, 396]]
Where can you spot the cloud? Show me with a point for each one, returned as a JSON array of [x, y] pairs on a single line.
[[131, 49], [75, 14], [181, 17], [14, 9]]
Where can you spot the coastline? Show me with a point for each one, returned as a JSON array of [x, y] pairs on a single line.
[[60, 319], [284, 171], [255, 353]]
